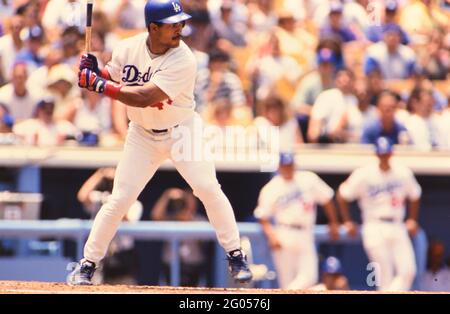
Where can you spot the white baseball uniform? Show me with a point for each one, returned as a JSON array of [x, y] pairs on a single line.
[[292, 204], [381, 197], [145, 150]]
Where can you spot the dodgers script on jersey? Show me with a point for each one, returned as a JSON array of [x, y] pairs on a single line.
[[381, 194], [173, 72], [293, 202]]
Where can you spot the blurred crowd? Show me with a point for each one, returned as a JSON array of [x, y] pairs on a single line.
[[324, 71]]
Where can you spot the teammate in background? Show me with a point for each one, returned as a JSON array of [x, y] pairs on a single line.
[[381, 189], [153, 73], [290, 198], [332, 276]]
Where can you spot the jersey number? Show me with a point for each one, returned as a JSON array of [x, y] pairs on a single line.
[[160, 105]]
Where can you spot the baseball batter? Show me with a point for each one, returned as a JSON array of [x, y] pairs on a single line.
[[290, 198], [153, 73], [381, 189]]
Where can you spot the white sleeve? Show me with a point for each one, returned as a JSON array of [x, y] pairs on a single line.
[[174, 77], [115, 65], [322, 192], [265, 208], [319, 110], [413, 189], [351, 188]]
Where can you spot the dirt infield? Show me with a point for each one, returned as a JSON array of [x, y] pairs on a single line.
[[23, 287]]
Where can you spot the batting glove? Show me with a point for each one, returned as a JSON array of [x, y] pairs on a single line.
[[91, 81], [89, 61]]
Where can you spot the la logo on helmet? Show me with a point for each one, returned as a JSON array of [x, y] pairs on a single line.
[[176, 7]]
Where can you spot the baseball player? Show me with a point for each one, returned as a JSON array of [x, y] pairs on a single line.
[[290, 198], [153, 73], [381, 189]]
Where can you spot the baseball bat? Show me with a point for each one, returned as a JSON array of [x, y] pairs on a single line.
[[90, 4]]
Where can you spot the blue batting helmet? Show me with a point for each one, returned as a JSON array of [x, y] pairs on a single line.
[[164, 11]]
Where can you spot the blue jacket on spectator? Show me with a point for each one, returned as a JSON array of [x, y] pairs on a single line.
[[375, 130], [375, 34]]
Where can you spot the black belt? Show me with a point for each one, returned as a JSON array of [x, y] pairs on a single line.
[[299, 227], [161, 131]]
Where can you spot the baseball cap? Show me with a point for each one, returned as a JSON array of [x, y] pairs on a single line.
[[29, 33], [326, 55], [390, 5], [383, 146], [332, 265], [336, 7], [286, 159], [61, 72]]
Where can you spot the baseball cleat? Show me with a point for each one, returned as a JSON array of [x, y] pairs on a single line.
[[238, 266], [82, 274]]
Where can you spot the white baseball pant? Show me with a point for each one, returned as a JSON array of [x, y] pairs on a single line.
[[388, 246], [296, 262], [142, 155]]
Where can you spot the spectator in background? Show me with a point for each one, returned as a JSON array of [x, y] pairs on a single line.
[[70, 45], [374, 33], [120, 263], [423, 124], [420, 17], [91, 116], [271, 68], [386, 125], [434, 59], [180, 205], [123, 13], [335, 27], [390, 57], [61, 85], [189, 34], [218, 82], [276, 113], [62, 14], [43, 129], [222, 114], [10, 45], [312, 85], [30, 10], [201, 21], [332, 277], [328, 108], [31, 53], [228, 33], [37, 80], [6, 120], [295, 41], [262, 18], [437, 277], [350, 126], [375, 85], [19, 99], [103, 26]]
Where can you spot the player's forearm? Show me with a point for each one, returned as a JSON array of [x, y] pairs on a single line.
[[343, 208], [413, 212], [267, 227], [331, 212], [89, 186], [140, 96]]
